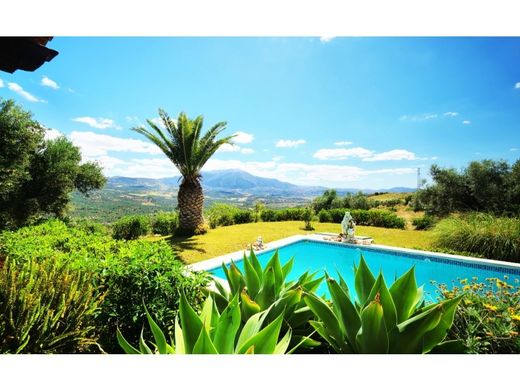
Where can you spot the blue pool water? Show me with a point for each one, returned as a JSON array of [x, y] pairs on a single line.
[[333, 258]]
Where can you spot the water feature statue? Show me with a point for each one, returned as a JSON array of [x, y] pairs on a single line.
[[348, 226]]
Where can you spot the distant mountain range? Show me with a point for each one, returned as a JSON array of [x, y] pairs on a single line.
[[129, 195], [235, 181]]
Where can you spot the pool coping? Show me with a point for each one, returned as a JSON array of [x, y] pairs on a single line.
[[216, 262]]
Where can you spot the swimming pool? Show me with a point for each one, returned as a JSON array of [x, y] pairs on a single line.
[[312, 255]]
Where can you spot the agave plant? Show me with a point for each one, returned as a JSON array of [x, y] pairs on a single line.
[[262, 288], [213, 332], [382, 320]]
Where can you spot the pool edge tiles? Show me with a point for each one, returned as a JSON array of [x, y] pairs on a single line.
[[472, 262]]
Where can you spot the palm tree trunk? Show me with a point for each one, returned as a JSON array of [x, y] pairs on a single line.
[[190, 200]]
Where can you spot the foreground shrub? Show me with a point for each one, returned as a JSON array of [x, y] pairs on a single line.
[[131, 227], [215, 332], [382, 320], [46, 308], [373, 217], [324, 216], [127, 272], [259, 289], [165, 223], [308, 216], [87, 226], [488, 317], [243, 216], [290, 214], [268, 215], [221, 214], [480, 234], [424, 223]]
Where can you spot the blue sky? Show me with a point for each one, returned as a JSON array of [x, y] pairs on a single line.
[[341, 112]]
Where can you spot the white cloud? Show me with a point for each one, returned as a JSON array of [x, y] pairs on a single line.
[[1, 83], [306, 174], [326, 38], [297, 173], [132, 119], [243, 138], [229, 148], [365, 154], [418, 117], [47, 82], [51, 134], [342, 143], [98, 123], [517, 85], [426, 117], [287, 143], [235, 148], [466, 122], [20, 91], [95, 145], [342, 153], [513, 149], [392, 155]]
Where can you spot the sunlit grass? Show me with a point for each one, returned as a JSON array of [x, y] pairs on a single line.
[[236, 237]]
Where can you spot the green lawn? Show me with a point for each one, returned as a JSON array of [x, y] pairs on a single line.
[[233, 238]]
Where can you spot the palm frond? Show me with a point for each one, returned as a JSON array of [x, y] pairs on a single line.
[[183, 143]]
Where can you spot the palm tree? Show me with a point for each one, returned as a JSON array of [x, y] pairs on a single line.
[[182, 143]]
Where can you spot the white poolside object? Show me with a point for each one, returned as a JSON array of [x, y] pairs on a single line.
[[348, 227]]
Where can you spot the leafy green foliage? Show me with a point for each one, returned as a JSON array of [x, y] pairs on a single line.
[[86, 225], [308, 216], [128, 272], [381, 319], [37, 176], [20, 135], [374, 217], [215, 332], [480, 234], [324, 216], [330, 200], [488, 317], [487, 185], [165, 223], [131, 227], [243, 216], [425, 222], [46, 308], [221, 214], [260, 288]]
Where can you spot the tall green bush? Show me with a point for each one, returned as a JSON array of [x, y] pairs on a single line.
[[131, 227], [221, 214], [480, 234], [46, 307], [164, 223], [324, 216], [269, 215], [243, 216], [126, 271], [425, 222], [373, 217]]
